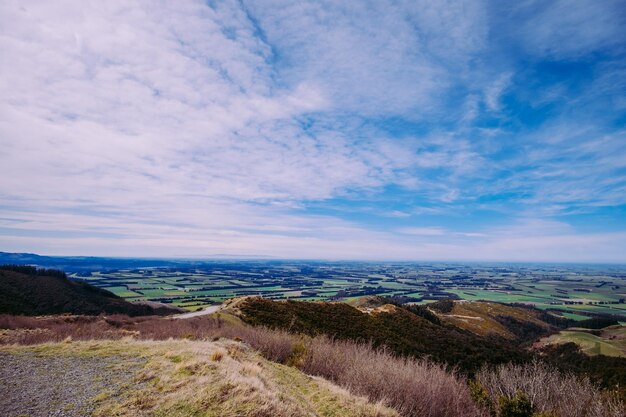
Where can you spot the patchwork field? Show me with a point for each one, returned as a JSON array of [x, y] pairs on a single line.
[[574, 291]]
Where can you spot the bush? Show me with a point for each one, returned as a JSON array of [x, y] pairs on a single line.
[[548, 391], [481, 397], [414, 387], [518, 406], [442, 306]]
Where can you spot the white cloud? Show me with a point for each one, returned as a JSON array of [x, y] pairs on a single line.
[[140, 101], [570, 29], [375, 57], [423, 231], [180, 129], [495, 90]]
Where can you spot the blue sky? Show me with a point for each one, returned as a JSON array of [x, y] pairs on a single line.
[[412, 130]]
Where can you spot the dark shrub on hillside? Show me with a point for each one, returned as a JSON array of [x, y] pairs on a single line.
[[400, 330], [517, 406], [442, 306], [597, 322], [35, 293], [423, 312], [525, 331], [32, 271]]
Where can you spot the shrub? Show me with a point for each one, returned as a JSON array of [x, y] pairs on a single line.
[[548, 391], [481, 397], [517, 406], [442, 306], [414, 387]]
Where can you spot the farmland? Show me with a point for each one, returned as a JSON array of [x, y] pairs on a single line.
[[610, 341], [574, 291]]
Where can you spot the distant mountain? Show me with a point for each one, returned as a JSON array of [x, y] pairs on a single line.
[[93, 263], [29, 291], [81, 263]]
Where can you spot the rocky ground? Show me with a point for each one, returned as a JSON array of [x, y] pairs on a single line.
[[42, 385]]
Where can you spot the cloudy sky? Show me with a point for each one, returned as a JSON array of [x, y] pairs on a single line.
[[402, 130]]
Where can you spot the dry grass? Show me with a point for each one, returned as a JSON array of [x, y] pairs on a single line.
[[410, 386], [413, 387], [181, 378], [479, 317]]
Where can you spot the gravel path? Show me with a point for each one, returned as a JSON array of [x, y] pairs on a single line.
[[42, 386], [204, 312]]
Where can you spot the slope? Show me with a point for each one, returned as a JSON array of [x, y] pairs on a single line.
[[183, 378], [401, 330], [28, 291]]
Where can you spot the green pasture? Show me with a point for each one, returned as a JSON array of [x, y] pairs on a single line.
[[123, 292], [537, 285], [589, 343]]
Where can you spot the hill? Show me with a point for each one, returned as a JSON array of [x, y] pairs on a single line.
[[169, 378], [485, 318], [404, 330], [219, 366], [428, 331], [610, 341], [25, 290]]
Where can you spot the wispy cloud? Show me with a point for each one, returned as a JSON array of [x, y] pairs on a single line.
[[313, 129]]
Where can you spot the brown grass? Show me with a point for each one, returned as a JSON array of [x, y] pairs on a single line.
[[479, 317], [178, 378], [413, 387]]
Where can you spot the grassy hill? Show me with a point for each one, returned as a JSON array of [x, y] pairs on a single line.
[[26, 290], [185, 378], [487, 318], [609, 342], [419, 331]]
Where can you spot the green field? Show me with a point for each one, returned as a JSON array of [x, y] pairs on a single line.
[[610, 342], [575, 291]]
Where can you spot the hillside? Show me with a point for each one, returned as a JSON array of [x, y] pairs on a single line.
[[169, 378], [29, 291], [421, 331], [487, 318], [610, 341], [406, 331], [216, 365]]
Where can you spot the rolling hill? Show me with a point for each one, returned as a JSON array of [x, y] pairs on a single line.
[[404, 330], [26, 290]]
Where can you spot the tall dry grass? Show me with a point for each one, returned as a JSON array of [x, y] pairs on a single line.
[[413, 387]]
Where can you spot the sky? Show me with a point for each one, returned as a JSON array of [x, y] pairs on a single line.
[[382, 130]]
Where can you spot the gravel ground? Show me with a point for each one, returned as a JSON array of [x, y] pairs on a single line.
[[38, 386]]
